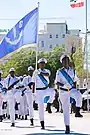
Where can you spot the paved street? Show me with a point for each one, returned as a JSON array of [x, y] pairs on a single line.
[[54, 126]]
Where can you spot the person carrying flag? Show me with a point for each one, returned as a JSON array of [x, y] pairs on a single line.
[[41, 80]]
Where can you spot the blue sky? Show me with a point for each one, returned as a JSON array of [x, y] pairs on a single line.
[[16, 9]]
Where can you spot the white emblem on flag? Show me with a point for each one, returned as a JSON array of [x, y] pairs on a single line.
[[17, 37]]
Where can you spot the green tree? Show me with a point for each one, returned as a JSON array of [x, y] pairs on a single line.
[[78, 58], [26, 57]]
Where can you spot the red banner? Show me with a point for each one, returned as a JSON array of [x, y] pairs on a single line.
[[81, 4]]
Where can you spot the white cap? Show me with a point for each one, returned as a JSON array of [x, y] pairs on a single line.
[[11, 70], [20, 77], [24, 75], [63, 56], [42, 60], [30, 68]]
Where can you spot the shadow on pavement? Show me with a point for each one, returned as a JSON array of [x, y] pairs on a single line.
[[25, 126], [55, 132], [34, 127], [52, 132], [8, 122]]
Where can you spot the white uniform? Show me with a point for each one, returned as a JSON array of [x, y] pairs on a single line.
[[11, 96], [2, 96], [17, 98], [29, 95], [41, 92], [65, 95], [23, 102]]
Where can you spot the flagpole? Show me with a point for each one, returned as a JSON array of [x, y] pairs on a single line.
[[37, 37], [86, 45]]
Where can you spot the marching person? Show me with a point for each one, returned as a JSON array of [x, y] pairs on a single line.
[[11, 84], [23, 102], [1, 96], [27, 82], [66, 82], [41, 79], [1, 103]]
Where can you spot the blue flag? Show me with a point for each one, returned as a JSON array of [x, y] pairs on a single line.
[[23, 33]]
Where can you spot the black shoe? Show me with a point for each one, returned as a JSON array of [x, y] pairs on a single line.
[[4, 117], [61, 111], [1, 118], [42, 125], [19, 117], [49, 107], [22, 118], [57, 111], [16, 116], [8, 116], [46, 109], [67, 130], [77, 114], [13, 125], [31, 122], [25, 117]]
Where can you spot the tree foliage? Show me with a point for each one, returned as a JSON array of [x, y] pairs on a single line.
[[78, 58], [25, 57]]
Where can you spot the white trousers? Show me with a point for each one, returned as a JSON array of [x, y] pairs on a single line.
[[23, 106], [29, 98], [17, 99], [1, 103], [11, 105], [65, 100], [17, 96], [1, 111], [40, 95]]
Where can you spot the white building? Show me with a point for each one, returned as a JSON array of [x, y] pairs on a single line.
[[74, 32], [55, 34]]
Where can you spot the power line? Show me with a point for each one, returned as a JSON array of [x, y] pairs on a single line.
[[52, 18]]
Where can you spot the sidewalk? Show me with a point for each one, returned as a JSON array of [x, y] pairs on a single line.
[[54, 126]]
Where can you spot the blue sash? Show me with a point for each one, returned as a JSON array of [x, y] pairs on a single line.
[[1, 86], [3, 89], [43, 80], [67, 77]]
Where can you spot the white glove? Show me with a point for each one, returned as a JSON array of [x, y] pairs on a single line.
[[67, 85], [36, 72]]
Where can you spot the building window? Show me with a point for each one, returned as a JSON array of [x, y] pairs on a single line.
[[50, 46], [42, 43], [50, 36], [63, 36], [56, 35]]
